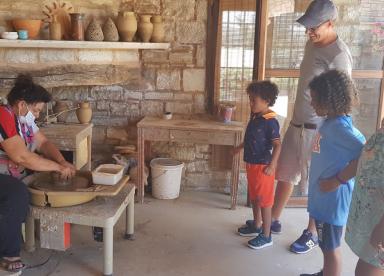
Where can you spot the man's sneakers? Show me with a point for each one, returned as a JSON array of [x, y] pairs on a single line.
[[260, 242], [305, 243], [249, 230]]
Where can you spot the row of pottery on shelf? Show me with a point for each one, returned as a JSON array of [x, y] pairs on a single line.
[[83, 112], [150, 28], [109, 31]]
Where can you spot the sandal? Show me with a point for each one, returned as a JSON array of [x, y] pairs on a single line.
[[12, 266]]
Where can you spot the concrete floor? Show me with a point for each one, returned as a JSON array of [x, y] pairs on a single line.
[[193, 235]]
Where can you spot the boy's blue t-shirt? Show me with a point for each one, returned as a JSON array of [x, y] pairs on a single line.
[[260, 133], [337, 143]]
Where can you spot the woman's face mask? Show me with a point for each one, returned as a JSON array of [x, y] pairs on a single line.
[[28, 119]]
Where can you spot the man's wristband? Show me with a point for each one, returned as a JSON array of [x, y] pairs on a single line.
[[341, 181]]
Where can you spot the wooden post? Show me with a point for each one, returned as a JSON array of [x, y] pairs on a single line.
[[380, 115], [260, 39]]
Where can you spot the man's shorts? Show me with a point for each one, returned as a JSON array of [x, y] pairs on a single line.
[[260, 185], [329, 235], [295, 157]]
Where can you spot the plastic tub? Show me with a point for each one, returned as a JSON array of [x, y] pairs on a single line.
[[107, 174], [166, 178]]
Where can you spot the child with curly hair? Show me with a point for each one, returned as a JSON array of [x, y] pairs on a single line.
[[365, 227], [261, 152], [336, 149]]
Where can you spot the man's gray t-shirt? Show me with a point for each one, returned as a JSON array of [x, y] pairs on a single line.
[[316, 61]]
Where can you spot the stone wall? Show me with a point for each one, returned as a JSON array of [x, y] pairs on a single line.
[[120, 93]]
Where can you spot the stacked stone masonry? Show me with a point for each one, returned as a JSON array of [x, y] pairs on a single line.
[[144, 82]]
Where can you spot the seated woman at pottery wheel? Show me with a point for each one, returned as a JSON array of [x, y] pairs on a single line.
[[19, 138]]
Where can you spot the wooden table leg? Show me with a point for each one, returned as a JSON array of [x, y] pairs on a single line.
[[89, 144], [130, 220], [235, 174], [140, 168], [108, 250], [30, 234]]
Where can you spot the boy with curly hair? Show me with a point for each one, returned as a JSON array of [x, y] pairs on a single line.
[[261, 152], [336, 149]]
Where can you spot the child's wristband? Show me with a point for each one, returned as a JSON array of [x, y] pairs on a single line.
[[341, 181]]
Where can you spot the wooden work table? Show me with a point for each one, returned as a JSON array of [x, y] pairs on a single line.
[[76, 138], [201, 131]]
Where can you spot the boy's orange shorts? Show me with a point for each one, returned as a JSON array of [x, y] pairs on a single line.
[[260, 185]]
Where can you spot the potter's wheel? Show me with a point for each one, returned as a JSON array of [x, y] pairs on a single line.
[[47, 191], [49, 183]]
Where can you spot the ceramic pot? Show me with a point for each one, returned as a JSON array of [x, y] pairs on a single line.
[[59, 107], [110, 31], [158, 29], [145, 28], [55, 29], [225, 112], [94, 32], [127, 25], [84, 113], [77, 26], [31, 25], [10, 35]]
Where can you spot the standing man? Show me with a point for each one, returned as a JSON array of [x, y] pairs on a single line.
[[323, 51]]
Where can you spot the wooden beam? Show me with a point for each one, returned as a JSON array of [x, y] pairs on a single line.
[[263, 11], [238, 5], [295, 73]]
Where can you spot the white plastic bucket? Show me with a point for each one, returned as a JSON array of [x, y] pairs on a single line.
[[166, 178]]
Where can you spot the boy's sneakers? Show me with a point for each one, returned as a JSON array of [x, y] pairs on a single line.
[[249, 230], [305, 243], [260, 242], [275, 226], [315, 274]]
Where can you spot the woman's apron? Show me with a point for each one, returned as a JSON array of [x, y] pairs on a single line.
[[6, 165]]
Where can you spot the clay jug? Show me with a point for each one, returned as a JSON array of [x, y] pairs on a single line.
[[127, 25], [145, 28], [55, 29], [94, 32], [158, 29], [110, 31], [60, 108], [84, 113]]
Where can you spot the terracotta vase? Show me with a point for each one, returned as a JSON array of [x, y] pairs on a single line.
[[145, 28], [33, 26], [59, 107], [158, 29], [94, 32], [127, 25], [77, 26], [55, 29], [110, 31], [84, 113]]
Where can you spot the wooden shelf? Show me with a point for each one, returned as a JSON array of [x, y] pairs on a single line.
[[63, 44]]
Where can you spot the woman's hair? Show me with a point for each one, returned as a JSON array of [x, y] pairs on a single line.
[[25, 89], [266, 90], [334, 91]]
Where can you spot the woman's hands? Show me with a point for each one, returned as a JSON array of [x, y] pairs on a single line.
[[66, 170]]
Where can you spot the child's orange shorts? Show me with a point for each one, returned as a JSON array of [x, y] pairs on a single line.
[[260, 185]]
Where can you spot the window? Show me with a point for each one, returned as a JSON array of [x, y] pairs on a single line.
[[235, 54]]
